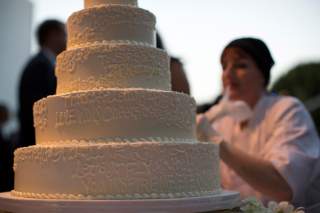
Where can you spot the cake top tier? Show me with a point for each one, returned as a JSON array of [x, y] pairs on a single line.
[[93, 3]]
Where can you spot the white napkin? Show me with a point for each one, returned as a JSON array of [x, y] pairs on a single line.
[[205, 131], [239, 110]]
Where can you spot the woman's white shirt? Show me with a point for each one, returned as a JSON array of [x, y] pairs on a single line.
[[282, 132]]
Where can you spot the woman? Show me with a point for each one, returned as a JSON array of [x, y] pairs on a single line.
[[271, 152]]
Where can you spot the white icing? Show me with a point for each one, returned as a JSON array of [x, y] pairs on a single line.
[[117, 171], [104, 140], [112, 66], [110, 42], [129, 113], [110, 23], [115, 130], [94, 3], [112, 197]]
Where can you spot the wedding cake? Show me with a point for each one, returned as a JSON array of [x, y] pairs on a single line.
[[115, 130]]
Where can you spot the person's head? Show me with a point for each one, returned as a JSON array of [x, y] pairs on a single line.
[[179, 81], [246, 64], [52, 34], [159, 42]]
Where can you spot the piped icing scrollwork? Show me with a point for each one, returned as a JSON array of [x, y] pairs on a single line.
[[129, 113], [109, 23], [117, 171], [112, 66]]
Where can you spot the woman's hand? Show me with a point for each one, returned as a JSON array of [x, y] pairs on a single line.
[[205, 131]]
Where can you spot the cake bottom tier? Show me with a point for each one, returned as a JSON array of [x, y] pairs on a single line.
[[117, 171]]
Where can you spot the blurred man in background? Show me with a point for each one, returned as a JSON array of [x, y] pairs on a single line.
[[179, 80], [38, 79], [5, 153]]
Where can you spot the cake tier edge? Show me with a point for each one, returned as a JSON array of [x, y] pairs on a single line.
[[117, 171], [104, 66], [95, 3], [115, 113], [111, 23]]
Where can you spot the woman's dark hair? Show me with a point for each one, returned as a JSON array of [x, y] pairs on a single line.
[[258, 51]]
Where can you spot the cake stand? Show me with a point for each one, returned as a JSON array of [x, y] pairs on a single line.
[[220, 201]]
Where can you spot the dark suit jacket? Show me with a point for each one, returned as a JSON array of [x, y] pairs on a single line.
[[2, 163], [37, 81], [6, 164]]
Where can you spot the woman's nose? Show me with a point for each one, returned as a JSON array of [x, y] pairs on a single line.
[[228, 72]]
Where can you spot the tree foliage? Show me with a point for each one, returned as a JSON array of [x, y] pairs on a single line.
[[302, 82]]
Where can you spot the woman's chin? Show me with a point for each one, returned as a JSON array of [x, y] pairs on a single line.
[[234, 95]]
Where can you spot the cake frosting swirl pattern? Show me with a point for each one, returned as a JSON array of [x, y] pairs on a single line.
[[115, 113], [115, 130], [120, 171], [111, 23], [112, 66]]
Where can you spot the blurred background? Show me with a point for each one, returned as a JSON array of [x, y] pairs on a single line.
[[195, 32]]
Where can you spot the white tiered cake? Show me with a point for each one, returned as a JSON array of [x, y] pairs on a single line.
[[115, 130]]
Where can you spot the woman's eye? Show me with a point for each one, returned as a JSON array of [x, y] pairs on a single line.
[[241, 65]]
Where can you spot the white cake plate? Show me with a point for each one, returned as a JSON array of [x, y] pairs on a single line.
[[223, 200]]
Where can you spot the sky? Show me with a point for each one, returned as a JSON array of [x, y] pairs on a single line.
[[197, 30]]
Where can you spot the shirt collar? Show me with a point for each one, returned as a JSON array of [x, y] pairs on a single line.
[[260, 108], [50, 55], [257, 112]]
